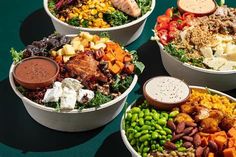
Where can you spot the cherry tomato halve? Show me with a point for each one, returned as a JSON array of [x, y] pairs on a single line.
[[163, 35], [169, 12], [188, 16], [162, 25], [163, 18]]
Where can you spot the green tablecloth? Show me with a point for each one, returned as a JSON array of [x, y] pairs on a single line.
[[21, 23]]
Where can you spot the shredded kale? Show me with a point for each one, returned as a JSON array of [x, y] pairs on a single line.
[[51, 4], [74, 21], [16, 56], [139, 66], [55, 105], [180, 54], [98, 100], [115, 18], [121, 85], [85, 23], [104, 35], [144, 5]]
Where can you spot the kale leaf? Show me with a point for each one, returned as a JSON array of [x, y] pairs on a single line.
[[115, 18]]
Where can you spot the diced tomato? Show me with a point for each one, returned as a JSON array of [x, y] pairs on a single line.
[[173, 26], [163, 18], [169, 12], [188, 16], [162, 25], [163, 35]]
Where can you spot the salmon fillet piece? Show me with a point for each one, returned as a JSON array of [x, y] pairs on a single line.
[[130, 7]]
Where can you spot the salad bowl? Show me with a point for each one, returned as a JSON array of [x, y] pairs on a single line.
[[124, 34]]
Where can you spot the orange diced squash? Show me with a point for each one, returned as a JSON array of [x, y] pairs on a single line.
[[221, 133], [232, 132], [229, 152], [109, 57], [220, 141], [211, 154], [59, 58], [109, 65], [115, 69], [232, 142], [120, 64]]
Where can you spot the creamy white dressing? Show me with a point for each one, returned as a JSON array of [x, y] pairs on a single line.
[[197, 6], [167, 89]]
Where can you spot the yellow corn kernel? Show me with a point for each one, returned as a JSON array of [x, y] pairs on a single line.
[[94, 12], [100, 15]]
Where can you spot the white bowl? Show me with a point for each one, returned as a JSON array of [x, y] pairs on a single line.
[[124, 138], [124, 34], [75, 120], [220, 80]]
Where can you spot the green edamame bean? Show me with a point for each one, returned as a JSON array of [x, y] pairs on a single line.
[[131, 130], [173, 113], [153, 128], [162, 121], [144, 154], [144, 132], [146, 112], [141, 114], [146, 149], [145, 127], [140, 150], [168, 131], [164, 115], [162, 132], [137, 128], [130, 136], [144, 137], [169, 136], [153, 147], [146, 143], [133, 142], [153, 110], [162, 142], [128, 116], [163, 137], [135, 110], [148, 118], [133, 124], [160, 149], [154, 135], [181, 149], [141, 121], [134, 117], [158, 127], [156, 116], [147, 122], [137, 135]]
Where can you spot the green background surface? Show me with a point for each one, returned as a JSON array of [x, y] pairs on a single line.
[[22, 136]]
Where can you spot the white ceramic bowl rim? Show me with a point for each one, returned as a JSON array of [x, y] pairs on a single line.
[[117, 99], [125, 140], [195, 67], [101, 29]]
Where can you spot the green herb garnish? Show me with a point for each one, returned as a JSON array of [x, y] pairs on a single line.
[[16, 56], [74, 21], [115, 18], [144, 5]]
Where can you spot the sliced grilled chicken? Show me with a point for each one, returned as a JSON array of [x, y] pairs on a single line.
[[130, 7]]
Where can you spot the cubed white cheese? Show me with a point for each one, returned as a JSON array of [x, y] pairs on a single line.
[[87, 36], [68, 99], [77, 45], [53, 94], [230, 48], [72, 84], [229, 65], [85, 93], [206, 52], [219, 50], [215, 63]]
